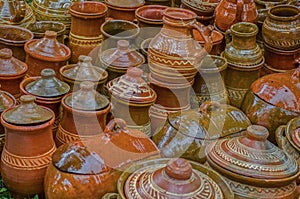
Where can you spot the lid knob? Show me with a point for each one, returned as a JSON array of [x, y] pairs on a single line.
[[134, 72], [50, 34], [5, 53], [26, 99], [47, 72], [179, 169], [87, 85], [257, 132], [85, 59], [123, 45]]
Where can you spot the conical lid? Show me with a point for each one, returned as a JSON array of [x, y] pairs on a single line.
[[85, 71], [132, 88], [28, 112], [87, 98], [6, 101], [48, 85], [280, 89], [10, 65], [252, 156], [122, 56]]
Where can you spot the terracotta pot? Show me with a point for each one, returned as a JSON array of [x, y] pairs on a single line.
[[12, 72], [267, 70], [124, 10], [39, 28], [281, 27], [14, 37], [266, 4], [251, 177], [229, 12], [27, 125], [132, 96], [273, 100], [46, 53], [84, 115]]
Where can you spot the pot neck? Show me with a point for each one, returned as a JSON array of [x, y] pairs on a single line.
[[244, 42]]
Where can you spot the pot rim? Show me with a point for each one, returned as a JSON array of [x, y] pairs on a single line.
[[61, 25], [127, 7], [148, 20], [137, 28], [244, 34], [20, 43], [86, 15], [171, 11], [218, 68], [288, 131], [284, 8], [11, 97]]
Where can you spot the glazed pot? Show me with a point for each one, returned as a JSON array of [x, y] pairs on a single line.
[[12, 72], [132, 96], [281, 27], [84, 70], [14, 37], [27, 125], [188, 133], [46, 53], [123, 10], [96, 164], [250, 163], [266, 4], [85, 114], [85, 35], [273, 100], [39, 28]]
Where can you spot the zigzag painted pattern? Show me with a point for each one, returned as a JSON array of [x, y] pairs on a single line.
[[159, 59], [64, 136], [283, 44], [82, 42]]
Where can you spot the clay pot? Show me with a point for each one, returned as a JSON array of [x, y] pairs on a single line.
[[123, 10], [85, 35], [281, 27], [229, 12], [267, 4], [46, 53], [250, 177], [12, 72], [188, 133], [14, 37], [97, 163], [28, 147], [84, 114], [273, 100], [84, 70], [116, 61], [39, 28], [132, 96]]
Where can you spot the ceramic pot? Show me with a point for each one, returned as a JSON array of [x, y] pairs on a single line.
[[217, 39], [84, 114], [84, 70], [281, 27], [265, 4], [179, 136], [39, 28], [132, 96], [27, 125], [273, 100], [46, 53], [14, 37], [249, 177], [123, 10], [116, 61], [12, 72], [229, 12]]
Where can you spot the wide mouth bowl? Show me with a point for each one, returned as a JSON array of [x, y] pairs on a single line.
[[14, 34], [213, 63], [151, 13], [125, 4], [88, 8], [244, 29], [180, 14], [216, 37], [40, 27], [284, 12], [119, 29]]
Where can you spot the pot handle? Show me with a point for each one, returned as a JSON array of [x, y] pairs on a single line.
[[115, 126], [111, 196], [296, 76], [279, 135], [208, 106], [205, 32], [228, 36]]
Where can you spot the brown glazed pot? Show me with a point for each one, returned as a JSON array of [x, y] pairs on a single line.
[[250, 164], [46, 53], [85, 114], [273, 100], [92, 167], [12, 72], [14, 37], [28, 147]]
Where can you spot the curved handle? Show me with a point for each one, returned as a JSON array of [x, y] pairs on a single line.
[[239, 9], [209, 106], [205, 32], [20, 8], [279, 135], [111, 196], [228, 36], [269, 5], [115, 126]]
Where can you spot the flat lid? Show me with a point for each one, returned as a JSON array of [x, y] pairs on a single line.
[[280, 89], [132, 88], [10, 65], [48, 85], [125, 4], [28, 112], [6, 100], [87, 98], [253, 156]]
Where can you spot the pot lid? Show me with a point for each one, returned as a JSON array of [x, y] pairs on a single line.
[[87, 98], [28, 112], [125, 4], [48, 85], [76, 157], [10, 65], [211, 121], [6, 100], [280, 89], [122, 56], [85, 71], [252, 156], [132, 87], [176, 179], [291, 131]]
